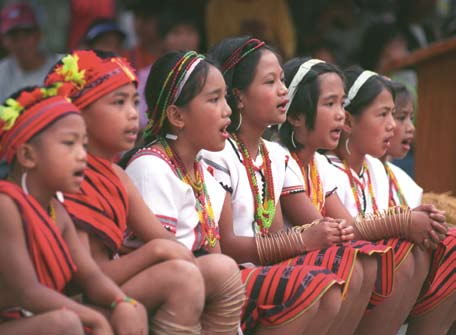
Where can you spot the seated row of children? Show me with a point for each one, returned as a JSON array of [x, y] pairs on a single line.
[[207, 228]]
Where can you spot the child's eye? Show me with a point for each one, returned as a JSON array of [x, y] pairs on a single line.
[[136, 103], [69, 143], [119, 102]]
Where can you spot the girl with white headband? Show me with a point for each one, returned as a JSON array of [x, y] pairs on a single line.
[[432, 313], [362, 186], [185, 96]]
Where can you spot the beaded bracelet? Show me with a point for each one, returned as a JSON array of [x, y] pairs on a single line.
[[124, 299]]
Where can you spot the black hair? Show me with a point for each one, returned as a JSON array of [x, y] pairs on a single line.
[[305, 100], [375, 39], [173, 16], [367, 92], [242, 74], [155, 80]]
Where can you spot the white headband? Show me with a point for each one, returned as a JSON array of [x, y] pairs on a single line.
[[184, 80], [359, 82], [302, 71]]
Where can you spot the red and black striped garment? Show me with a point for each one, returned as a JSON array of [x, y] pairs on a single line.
[[279, 294], [440, 282], [46, 247], [101, 206]]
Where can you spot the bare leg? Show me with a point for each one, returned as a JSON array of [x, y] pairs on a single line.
[[357, 296], [222, 312], [52, 323], [296, 326], [330, 305], [388, 317], [436, 322], [175, 289]]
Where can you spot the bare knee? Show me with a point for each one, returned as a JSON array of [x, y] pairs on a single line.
[[187, 282], [370, 266], [216, 269], [331, 302], [356, 279], [407, 269], [422, 260], [65, 322]]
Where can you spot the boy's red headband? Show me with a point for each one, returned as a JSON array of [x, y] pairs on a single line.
[[91, 76], [24, 117]]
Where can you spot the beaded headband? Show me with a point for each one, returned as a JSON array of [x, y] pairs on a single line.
[[91, 76], [172, 88], [28, 114], [239, 54], [359, 82], [304, 68]]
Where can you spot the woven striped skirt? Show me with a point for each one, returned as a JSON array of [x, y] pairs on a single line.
[[440, 282], [279, 294]]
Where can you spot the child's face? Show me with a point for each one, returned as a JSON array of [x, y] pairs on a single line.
[[61, 154], [372, 131], [112, 122], [404, 131], [208, 115], [263, 102], [330, 115]]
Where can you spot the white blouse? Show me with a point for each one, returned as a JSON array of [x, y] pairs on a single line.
[[171, 199], [379, 182], [227, 168]]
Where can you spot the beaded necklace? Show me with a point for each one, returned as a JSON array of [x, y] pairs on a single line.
[[394, 187], [203, 202], [264, 209], [353, 182], [314, 186]]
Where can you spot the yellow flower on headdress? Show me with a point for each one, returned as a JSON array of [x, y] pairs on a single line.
[[10, 112], [51, 91], [70, 70]]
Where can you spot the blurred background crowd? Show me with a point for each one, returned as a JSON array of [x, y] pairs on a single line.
[[372, 33]]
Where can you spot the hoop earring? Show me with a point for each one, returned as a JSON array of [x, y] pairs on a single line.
[[171, 137], [24, 182], [239, 123], [292, 140], [58, 194], [347, 148]]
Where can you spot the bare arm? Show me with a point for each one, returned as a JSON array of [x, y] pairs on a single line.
[[141, 220], [19, 283], [298, 209]]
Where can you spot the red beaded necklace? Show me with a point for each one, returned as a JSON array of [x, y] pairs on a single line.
[[203, 202], [314, 186], [264, 209], [394, 187], [353, 183]]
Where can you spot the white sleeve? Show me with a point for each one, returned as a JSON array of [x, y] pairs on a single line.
[[157, 184], [326, 174], [294, 180]]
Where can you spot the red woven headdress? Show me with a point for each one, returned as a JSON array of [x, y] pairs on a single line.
[[28, 114], [91, 76]]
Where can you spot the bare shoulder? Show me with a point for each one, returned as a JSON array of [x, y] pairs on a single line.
[[63, 219], [10, 216], [124, 178]]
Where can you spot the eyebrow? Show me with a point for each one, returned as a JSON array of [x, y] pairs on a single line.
[[215, 91], [331, 96]]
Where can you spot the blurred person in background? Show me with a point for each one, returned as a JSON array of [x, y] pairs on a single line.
[[27, 63]]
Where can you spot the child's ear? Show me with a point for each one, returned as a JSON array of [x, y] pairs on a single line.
[[348, 122], [26, 156], [238, 96], [296, 120], [175, 116]]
